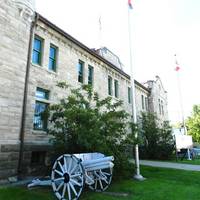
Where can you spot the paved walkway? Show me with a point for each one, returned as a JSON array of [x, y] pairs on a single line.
[[170, 165]]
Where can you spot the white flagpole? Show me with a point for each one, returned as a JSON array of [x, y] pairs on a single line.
[[137, 174], [181, 102]]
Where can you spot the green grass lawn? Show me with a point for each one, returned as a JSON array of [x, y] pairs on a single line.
[[161, 184]]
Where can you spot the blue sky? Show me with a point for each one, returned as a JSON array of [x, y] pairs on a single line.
[[160, 29]]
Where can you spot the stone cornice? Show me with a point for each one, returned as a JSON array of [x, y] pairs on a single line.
[[26, 11]]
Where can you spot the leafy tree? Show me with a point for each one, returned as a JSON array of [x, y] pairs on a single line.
[[193, 123], [157, 141], [82, 122]]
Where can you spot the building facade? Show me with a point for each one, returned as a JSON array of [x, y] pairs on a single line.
[[157, 99], [35, 55]]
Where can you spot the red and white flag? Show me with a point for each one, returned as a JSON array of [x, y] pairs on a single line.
[[130, 4], [177, 67]]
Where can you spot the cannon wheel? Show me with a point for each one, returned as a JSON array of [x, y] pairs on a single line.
[[67, 177], [102, 179]]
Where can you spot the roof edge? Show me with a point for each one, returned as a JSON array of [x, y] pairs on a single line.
[[142, 86], [69, 37]]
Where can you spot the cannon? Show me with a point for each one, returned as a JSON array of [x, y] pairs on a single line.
[[70, 172]]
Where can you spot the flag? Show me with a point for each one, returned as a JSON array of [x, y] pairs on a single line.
[[130, 4], [177, 68]]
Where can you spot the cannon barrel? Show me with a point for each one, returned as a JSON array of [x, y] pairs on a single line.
[[99, 166], [37, 182], [99, 160]]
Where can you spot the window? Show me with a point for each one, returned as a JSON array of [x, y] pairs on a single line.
[[37, 51], [116, 88], [80, 68], [40, 106], [129, 95], [146, 103], [110, 85], [162, 107], [90, 75], [52, 58], [38, 157], [42, 94], [142, 96], [159, 102]]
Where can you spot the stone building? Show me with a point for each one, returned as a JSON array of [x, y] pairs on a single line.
[[35, 55], [157, 99], [142, 94]]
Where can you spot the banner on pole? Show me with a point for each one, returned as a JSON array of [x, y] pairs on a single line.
[[183, 142]]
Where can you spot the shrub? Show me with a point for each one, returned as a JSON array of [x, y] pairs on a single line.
[[157, 141], [193, 123], [82, 122]]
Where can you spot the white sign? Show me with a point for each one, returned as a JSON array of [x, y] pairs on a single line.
[[183, 141]]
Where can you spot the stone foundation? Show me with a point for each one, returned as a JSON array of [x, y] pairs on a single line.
[[36, 160]]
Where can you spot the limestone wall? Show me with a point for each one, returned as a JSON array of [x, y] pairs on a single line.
[[142, 99], [14, 34], [158, 99]]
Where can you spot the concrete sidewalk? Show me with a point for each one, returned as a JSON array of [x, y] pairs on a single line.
[[170, 165]]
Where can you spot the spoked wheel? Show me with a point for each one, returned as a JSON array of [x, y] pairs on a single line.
[[102, 179], [67, 177]]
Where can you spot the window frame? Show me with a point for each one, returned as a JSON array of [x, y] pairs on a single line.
[[90, 76], [116, 88], [143, 103], [80, 72], [53, 59], [39, 52], [159, 102], [38, 158], [129, 95], [43, 102], [146, 103], [46, 92], [110, 85], [162, 107]]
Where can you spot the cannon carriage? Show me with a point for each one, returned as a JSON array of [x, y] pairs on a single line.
[[71, 172]]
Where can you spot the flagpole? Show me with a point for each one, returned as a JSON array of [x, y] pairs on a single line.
[[137, 174], [181, 102]]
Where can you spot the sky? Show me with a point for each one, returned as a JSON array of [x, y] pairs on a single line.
[[159, 29]]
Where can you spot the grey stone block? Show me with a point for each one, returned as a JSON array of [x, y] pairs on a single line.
[[9, 148]]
